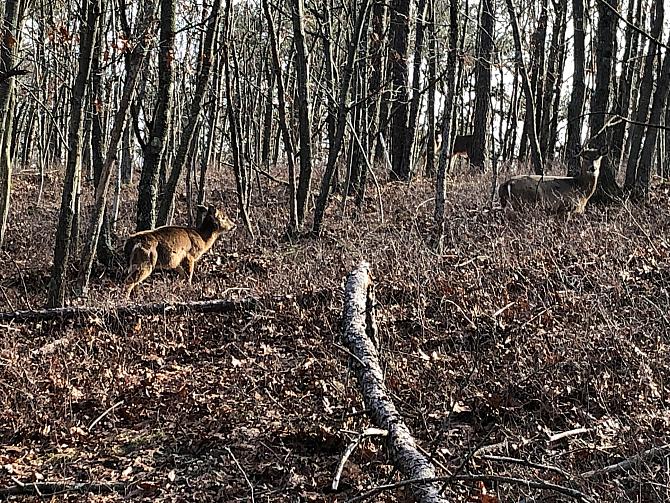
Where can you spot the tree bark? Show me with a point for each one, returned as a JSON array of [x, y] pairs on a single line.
[[105, 250], [624, 91], [552, 81], [147, 198], [479, 157], [342, 111], [432, 77], [641, 187], [577, 98], [535, 152], [9, 31], [636, 131], [207, 56], [283, 123], [445, 151], [304, 128], [400, 80], [416, 91], [137, 58], [89, 19], [360, 336], [233, 108]]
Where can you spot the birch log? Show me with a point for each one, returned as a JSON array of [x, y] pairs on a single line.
[[359, 329]]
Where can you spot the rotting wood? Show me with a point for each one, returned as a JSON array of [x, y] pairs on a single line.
[[202, 306], [358, 317]]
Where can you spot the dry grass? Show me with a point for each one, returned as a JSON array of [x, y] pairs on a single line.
[[525, 327]]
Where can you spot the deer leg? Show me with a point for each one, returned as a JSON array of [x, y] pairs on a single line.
[[136, 275], [188, 264], [142, 263]]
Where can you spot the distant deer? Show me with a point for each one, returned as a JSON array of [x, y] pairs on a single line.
[[462, 145], [558, 194], [172, 247]]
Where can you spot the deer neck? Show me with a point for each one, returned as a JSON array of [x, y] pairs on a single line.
[[208, 232]]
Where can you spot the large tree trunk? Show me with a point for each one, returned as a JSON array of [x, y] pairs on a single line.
[[637, 130], [432, 77], [137, 59], [628, 67], [283, 123], [400, 81], [342, 112], [360, 336], [535, 152], [207, 55], [90, 14], [9, 31], [576, 106], [147, 198], [304, 128], [554, 76], [641, 187], [479, 152], [105, 250], [607, 188], [445, 151], [416, 91]]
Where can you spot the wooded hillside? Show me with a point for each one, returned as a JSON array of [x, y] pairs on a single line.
[[497, 354]]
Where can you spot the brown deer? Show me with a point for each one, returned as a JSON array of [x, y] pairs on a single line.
[[172, 247], [462, 145], [557, 194]]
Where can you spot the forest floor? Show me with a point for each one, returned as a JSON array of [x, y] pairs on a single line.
[[542, 340]]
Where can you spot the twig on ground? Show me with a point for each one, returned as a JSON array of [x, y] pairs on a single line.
[[370, 432], [630, 462], [102, 416], [533, 484], [244, 474]]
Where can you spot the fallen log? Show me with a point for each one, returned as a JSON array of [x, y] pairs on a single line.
[[359, 331], [65, 313]]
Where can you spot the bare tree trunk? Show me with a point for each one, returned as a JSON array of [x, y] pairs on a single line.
[[233, 106], [342, 111], [536, 154], [577, 98], [636, 131], [137, 58], [641, 187], [445, 151], [304, 128], [416, 91], [147, 198], [479, 153], [9, 31], [283, 124], [628, 66], [207, 55], [378, 45], [607, 188], [432, 75], [552, 81], [105, 250], [89, 19], [400, 79]]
